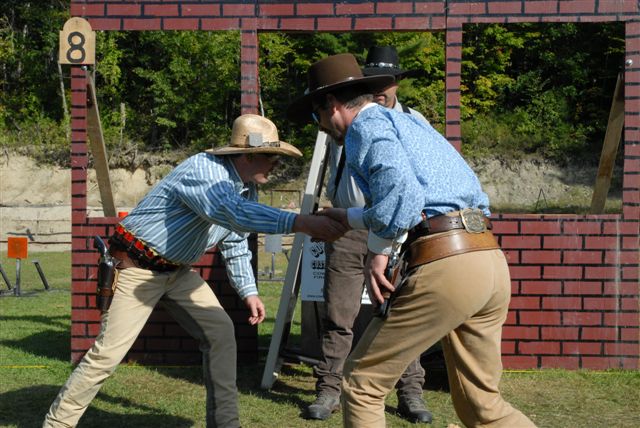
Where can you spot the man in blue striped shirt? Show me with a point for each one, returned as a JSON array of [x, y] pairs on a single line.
[[207, 200], [422, 195]]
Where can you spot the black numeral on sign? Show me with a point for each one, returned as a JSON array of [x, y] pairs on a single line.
[[73, 47]]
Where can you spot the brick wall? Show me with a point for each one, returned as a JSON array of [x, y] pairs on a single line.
[[574, 278]]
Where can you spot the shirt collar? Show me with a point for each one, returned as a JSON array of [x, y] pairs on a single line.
[[235, 176]]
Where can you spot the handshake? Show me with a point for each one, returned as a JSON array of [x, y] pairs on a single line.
[[326, 225]]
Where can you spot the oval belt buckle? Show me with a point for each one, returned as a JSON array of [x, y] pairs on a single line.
[[473, 220]]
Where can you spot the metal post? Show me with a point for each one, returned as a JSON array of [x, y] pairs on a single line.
[[16, 290], [41, 273], [5, 277]]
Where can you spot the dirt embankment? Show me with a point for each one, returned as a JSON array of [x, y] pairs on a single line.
[[35, 200]]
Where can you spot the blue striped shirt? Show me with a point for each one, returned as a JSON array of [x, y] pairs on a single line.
[[203, 203], [404, 166]]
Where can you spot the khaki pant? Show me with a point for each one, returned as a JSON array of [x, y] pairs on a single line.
[[464, 300], [193, 304]]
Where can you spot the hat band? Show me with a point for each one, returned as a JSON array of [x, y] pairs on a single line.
[[382, 65], [255, 140]]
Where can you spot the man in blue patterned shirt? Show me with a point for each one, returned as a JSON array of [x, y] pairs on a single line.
[[420, 194], [207, 200]]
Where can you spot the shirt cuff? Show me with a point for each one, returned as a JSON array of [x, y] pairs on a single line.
[[384, 246], [248, 290], [355, 218]]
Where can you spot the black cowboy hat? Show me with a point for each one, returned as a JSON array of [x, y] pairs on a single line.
[[328, 74], [384, 60]]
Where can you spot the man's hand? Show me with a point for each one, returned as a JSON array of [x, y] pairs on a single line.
[[377, 285], [323, 228], [338, 214], [256, 307]]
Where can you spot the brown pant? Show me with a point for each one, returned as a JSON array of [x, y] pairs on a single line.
[[462, 298], [344, 283]]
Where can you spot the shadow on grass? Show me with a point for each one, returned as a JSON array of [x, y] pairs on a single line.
[[26, 408], [49, 343]]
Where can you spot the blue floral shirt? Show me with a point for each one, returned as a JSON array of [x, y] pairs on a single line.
[[404, 167]]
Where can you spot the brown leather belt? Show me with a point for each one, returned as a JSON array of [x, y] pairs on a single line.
[[430, 249], [442, 223], [126, 261]]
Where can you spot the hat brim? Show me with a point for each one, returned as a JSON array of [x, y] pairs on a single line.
[[300, 109], [398, 74], [285, 149]]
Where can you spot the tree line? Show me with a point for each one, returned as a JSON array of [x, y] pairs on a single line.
[[543, 89]]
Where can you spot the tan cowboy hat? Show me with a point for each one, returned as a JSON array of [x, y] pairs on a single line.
[[252, 133], [328, 74]]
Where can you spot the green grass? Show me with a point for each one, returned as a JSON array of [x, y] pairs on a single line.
[[34, 363]]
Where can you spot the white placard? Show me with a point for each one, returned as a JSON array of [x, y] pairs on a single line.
[[312, 273]]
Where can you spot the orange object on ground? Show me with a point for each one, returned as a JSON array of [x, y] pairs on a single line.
[[17, 248]]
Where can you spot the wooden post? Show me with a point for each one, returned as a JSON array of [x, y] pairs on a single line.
[[609, 149], [98, 148]]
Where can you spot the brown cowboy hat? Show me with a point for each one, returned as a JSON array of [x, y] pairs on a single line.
[[328, 74], [384, 60], [252, 133]]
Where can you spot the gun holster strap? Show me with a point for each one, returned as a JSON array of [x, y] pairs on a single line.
[[431, 248]]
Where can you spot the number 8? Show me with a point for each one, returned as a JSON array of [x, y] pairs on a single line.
[[76, 47]]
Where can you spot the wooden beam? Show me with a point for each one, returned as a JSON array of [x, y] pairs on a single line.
[[609, 149], [99, 150]]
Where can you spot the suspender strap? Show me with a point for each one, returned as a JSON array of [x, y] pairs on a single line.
[[339, 171]]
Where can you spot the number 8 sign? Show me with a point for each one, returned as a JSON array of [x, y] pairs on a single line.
[[77, 43]]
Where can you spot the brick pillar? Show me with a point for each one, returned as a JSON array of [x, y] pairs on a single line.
[[453, 54], [249, 84]]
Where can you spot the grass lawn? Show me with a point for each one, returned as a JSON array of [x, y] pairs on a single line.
[[34, 363]]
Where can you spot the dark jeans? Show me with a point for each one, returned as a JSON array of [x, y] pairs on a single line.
[[343, 286]]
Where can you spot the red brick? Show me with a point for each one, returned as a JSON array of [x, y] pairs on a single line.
[[629, 303], [560, 333], [525, 272], [582, 348], [621, 319], [513, 257], [238, 10], [201, 10], [562, 242], [631, 180], [600, 303], [600, 363], [557, 302], [540, 7], [78, 329], [582, 257], [397, 8], [218, 24], [622, 287], [600, 272], [476, 9], [372, 23], [520, 242], [81, 344], [517, 332], [631, 196], [429, 7], [629, 273], [317, 9], [539, 317], [79, 301], [629, 334], [541, 257], [161, 10], [582, 228], [562, 272], [334, 24], [599, 333], [505, 8], [181, 23], [275, 9], [508, 347], [581, 318], [519, 362], [268, 24], [540, 227], [631, 165], [124, 9], [629, 242], [520, 302], [600, 242], [79, 284], [511, 318], [577, 6], [354, 9], [541, 287], [87, 10], [617, 6], [539, 348], [621, 348], [141, 24], [85, 315], [103, 24], [555, 362]]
